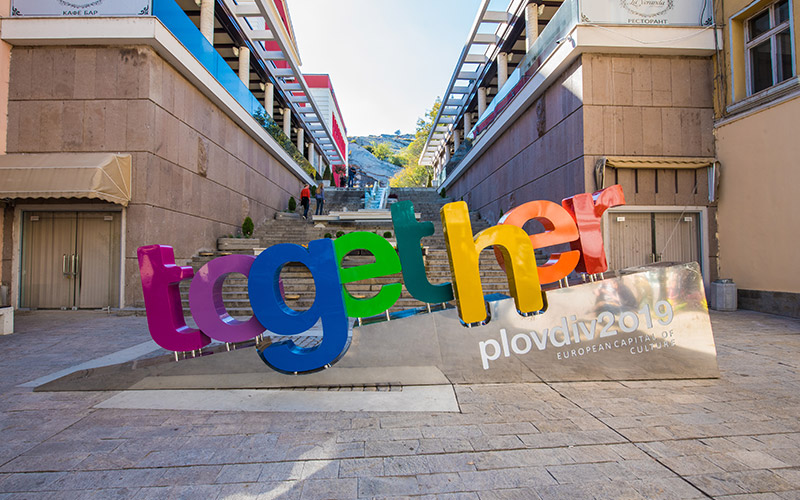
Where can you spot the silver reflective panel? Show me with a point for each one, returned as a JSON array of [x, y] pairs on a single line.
[[651, 324], [647, 325]]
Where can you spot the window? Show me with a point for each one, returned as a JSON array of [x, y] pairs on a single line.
[[768, 45]]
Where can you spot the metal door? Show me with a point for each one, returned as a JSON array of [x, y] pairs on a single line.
[[639, 238], [48, 257], [97, 270], [676, 237], [631, 243], [70, 260]]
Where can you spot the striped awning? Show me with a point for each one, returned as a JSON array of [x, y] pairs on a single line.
[[101, 176], [676, 162]]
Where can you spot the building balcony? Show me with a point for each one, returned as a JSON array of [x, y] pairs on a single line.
[[481, 102]]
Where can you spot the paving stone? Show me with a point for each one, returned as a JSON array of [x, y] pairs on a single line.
[[372, 487], [510, 494], [735, 437], [361, 467], [391, 448], [330, 488], [238, 473], [290, 490]]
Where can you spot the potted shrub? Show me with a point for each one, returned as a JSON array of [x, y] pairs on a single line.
[[326, 176], [389, 237], [242, 241], [248, 227]]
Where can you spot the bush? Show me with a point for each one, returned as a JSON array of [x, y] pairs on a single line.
[[313, 191], [339, 234], [292, 204], [328, 235], [326, 176], [276, 131], [248, 227], [387, 234], [442, 193]]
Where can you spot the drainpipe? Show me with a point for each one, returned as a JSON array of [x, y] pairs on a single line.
[[287, 122], [532, 12], [502, 70], [301, 136], [481, 101], [269, 98], [207, 19], [244, 66]]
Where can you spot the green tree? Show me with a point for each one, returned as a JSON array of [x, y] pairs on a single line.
[[416, 175], [411, 176], [381, 150]]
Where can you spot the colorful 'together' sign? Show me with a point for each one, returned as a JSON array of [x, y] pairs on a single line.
[[576, 221]]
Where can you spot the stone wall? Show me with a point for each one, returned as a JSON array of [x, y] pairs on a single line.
[[604, 105], [539, 157], [653, 107], [196, 173]]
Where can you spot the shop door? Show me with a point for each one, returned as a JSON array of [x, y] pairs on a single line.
[[639, 238], [70, 260]]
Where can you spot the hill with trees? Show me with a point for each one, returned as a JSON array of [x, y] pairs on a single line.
[[377, 154]]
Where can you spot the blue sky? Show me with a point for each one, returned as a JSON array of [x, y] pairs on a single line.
[[388, 59]]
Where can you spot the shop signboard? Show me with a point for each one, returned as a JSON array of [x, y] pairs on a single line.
[[81, 8], [647, 12]]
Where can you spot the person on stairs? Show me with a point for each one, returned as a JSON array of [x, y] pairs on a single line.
[[320, 197], [305, 196]]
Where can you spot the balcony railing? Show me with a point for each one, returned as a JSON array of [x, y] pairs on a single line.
[[570, 14], [178, 23]]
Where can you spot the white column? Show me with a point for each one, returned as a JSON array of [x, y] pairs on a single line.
[[311, 154], [269, 98], [502, 70], [481, 101], [301, 139], [531, 25], [244, 66], [287, 122], [447, 153], [467, 124], [207, 19], [456, 139]]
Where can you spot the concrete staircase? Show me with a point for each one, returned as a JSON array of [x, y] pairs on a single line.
[[343, 199], [299, 284]]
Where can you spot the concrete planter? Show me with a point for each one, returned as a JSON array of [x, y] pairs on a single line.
[[228, 244]]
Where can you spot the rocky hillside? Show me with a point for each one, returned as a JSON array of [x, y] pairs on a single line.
[[370, 166], [395, 142]]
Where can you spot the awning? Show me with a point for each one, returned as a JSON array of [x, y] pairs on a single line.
[[657, 162], [101, 176]]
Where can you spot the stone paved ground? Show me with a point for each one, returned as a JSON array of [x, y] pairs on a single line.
[[737, 437]]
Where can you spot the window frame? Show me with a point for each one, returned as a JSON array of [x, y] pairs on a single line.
[[771, 36]]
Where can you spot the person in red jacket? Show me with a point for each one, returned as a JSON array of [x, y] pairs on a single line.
[[305, 196]]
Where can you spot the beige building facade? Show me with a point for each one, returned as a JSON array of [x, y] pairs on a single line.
[[758, 104], [196, 174], [142, 129], [5, 217]]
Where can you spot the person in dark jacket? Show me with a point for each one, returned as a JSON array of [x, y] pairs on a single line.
[[305, 196], [320, 196]]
